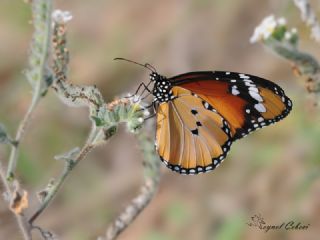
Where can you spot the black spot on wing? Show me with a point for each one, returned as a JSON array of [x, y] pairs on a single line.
[[198, 124], [194, 112], [195, 132]]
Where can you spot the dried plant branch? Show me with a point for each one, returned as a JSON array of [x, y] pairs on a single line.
[[147, 191], [24, 226], [37, 74], [309, 17]]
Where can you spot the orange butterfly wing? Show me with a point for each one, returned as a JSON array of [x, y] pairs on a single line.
[[190, 137], [247, 102]]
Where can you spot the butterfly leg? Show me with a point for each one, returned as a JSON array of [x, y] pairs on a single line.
[[147, 107], [146, 88], [151, 116], [153, 105], [138, 89]]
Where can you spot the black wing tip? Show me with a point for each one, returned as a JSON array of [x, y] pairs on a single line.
[[251, 127]]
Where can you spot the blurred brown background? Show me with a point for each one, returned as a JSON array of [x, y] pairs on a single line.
[[274, 172]]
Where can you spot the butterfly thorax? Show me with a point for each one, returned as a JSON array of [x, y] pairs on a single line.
[[162, 88]]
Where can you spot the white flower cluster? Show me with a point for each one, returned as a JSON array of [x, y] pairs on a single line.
[[61, 17], [136, 99], [265, 29], [289, 34]]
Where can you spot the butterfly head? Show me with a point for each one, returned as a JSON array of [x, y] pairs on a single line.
[[155, 77]]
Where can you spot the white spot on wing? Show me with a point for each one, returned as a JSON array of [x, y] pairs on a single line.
[[254, 89], [249, 84], [260, 107], [235, 91], [256, 96], [241, 75]]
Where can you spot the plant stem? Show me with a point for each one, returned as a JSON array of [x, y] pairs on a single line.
[[66, 171], [42, 23], [306, 63], [69, 166], [20, 134], [151, 166]]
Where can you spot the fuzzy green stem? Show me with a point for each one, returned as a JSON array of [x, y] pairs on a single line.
[[39, 79], [306, 63]]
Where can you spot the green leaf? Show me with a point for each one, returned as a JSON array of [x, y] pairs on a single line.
[[4, 138], [98, 121], [279, 33]]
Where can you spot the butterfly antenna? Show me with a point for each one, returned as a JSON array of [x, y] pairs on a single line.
[[146, 65]]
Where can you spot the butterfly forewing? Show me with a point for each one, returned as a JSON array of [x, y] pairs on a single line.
[[246, 102]]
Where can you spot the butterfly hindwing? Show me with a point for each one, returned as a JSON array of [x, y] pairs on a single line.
[[191, 137]]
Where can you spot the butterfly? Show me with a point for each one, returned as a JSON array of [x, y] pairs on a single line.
[[200, 114]]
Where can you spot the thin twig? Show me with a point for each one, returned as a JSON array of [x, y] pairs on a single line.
[[309, 17], [24, 226], [147, 191], [20, 134], [46, 235], [69, 166]]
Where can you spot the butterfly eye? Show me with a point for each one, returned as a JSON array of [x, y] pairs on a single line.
[[153, 76]]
